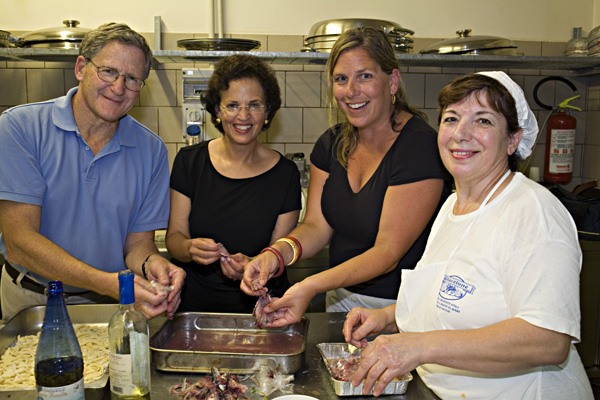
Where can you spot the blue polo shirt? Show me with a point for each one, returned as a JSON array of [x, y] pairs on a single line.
[[89, 203]]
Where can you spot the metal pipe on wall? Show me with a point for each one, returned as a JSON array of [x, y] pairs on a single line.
[[220, 18], [211, 18]]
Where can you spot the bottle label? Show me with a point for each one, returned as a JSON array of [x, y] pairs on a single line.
[[120, 374], [562, 151], [74, 391]]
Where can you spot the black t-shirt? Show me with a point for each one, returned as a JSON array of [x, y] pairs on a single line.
[[240, 213], [355, 217]]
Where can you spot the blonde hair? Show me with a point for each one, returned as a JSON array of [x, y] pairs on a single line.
[[377, 46]]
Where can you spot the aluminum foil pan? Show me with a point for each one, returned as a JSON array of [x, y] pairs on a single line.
[[331, 351], [195, 342]]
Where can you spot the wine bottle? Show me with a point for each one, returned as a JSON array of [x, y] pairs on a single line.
[[58, 360], [129, 346]]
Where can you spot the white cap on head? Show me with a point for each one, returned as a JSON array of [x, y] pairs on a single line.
[[527, 120]]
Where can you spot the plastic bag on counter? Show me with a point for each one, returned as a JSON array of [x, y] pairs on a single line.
[[584, 206], [268, 381]]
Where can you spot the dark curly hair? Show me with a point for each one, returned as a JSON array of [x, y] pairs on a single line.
[[241, 66]]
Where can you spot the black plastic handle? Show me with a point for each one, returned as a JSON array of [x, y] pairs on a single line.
[[546, 79]]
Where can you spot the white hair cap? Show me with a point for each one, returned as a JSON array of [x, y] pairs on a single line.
[[527, 120]]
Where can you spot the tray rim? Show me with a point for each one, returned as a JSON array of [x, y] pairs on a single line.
[[288, 362], [304, 322]]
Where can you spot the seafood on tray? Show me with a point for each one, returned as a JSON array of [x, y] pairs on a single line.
[[215, 386], [343, 368], [263, 318]]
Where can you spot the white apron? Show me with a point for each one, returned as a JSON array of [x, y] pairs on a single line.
[[431, 297]]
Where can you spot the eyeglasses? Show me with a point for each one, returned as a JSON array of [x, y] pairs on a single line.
[[110, 75], [234, 108]]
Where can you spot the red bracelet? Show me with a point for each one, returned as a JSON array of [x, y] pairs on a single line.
[[297, 244], [279, 258]]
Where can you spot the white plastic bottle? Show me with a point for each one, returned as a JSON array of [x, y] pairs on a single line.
[[129, 346]]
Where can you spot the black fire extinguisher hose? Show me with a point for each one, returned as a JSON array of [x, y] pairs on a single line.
[[546, 79]]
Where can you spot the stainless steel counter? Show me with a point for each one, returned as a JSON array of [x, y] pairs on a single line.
[[312, 379]]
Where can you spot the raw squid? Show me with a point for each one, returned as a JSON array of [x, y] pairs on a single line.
[[342, 369], [215, 386], [263, 318]]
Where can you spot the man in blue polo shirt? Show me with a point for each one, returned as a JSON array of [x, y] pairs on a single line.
[[83, 186]]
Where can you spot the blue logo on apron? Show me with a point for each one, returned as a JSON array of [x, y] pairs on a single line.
[[455, 288]]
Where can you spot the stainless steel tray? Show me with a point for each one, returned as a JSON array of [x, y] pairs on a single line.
[[29, 322], [344, 388], [195, 342]]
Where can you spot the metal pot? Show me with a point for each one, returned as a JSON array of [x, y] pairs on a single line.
[[324, 34], [577, 46], [465, 44], [337, 26], [594, 42], [68, 36]]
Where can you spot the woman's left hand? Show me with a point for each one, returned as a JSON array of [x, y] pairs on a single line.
[[290, 308], [387, 357], [233, 265]]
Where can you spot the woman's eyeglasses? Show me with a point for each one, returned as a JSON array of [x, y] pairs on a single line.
[[234, 108]]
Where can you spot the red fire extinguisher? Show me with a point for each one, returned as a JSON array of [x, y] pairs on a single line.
[[560, 143]]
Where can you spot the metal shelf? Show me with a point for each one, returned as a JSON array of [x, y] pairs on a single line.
[[580, 66]]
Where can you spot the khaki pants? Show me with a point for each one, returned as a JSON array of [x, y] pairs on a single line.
[[14, 298]]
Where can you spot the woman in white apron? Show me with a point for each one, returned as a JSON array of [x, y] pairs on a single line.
[[492, 309]]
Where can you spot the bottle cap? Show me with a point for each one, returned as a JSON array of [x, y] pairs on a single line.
[[55, 287], [126, 293]]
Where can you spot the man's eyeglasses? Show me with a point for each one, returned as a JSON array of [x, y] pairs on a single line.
[[234, 108], [110, 75]]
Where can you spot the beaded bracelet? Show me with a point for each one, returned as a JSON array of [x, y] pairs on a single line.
[[295, 248], [279, 258], [144, 267]]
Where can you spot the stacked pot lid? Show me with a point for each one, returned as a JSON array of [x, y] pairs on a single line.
[[324, 34], [5, 39], [594, 42], [466, 44], [218, 44], [68, 36]]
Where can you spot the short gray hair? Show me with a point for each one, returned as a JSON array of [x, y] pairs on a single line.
[[96, 39]]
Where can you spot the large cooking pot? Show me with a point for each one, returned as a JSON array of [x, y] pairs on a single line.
[[68, 36], [324, 34], [466, 44]]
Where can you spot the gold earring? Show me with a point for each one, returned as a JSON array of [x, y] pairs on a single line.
[[266, 121], [218, 120], [393, 98]]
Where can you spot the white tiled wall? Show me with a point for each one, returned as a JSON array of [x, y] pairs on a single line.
[[303, 116]]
